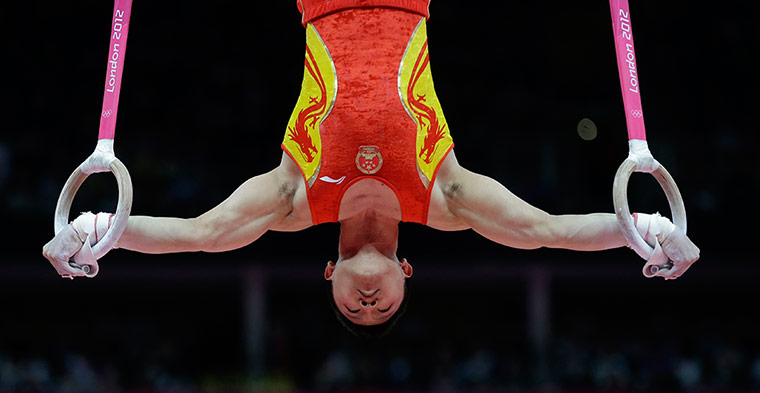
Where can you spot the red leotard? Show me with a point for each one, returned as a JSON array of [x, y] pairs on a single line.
[[367, 109], [314, 9]]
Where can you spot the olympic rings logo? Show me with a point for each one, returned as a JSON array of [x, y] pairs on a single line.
[[107, 113], [637, 113]]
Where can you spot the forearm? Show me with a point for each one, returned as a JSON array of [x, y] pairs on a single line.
[[588, 232], [161, 235]]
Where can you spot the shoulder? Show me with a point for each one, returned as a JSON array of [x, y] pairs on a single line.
[[450, 176], [448, 184], [292, 189], [288, 173]]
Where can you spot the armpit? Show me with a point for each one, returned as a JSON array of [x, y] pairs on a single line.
[[453, 190], [288, 190]]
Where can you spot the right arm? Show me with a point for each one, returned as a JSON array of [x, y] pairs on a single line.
[[261, 203]]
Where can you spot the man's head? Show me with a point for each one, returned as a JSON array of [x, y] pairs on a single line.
[[368, 289]]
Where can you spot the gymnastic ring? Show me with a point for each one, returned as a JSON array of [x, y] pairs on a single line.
[[625, 220], [123, 207]]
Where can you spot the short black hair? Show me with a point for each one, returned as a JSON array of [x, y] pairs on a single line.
[[368, 331]]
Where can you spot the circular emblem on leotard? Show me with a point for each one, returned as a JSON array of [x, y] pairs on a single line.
[[369, 160]]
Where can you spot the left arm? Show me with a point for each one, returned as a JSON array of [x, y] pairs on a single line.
[[490, 209]]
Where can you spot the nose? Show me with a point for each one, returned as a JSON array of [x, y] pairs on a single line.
[[367, 299], [368, 304]]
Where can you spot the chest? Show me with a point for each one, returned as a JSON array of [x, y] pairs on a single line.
[[369, 194]]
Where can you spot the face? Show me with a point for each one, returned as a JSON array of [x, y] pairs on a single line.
[[368, 289]]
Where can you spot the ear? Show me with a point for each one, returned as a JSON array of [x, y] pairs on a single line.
[[329, 270], [406, 268]]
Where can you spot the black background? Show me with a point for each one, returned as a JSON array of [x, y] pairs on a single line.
[[207, 91]]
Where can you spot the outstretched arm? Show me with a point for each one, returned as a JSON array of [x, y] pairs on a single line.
[[481, 203], [262, 203], [490, 209], [258, 205]]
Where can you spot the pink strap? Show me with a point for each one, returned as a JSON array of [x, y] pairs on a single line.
[[119, 28], [626, 59]]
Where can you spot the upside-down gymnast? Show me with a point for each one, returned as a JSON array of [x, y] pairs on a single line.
[[368, 146]]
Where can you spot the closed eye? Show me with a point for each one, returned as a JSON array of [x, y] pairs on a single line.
[[386, 310], [352, 311]]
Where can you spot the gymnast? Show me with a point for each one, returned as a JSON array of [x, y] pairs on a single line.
[[368, 146]]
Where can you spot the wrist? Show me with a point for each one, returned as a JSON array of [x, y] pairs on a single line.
[[652, 227], [92, 226]]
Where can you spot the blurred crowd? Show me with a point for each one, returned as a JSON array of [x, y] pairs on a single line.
[[570, 364]]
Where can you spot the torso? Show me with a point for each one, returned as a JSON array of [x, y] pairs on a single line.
[[369, 194], [368, 131], [373, 195]]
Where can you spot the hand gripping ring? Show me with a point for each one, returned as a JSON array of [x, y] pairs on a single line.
[[625, 220], [124, 206]]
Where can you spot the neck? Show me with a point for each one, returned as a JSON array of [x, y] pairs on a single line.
[[368, 229]]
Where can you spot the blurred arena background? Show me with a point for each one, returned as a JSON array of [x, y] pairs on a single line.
[[208, 88]]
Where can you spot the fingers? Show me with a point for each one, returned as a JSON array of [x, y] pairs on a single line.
[[657, 262], [679, 247], [60, 249], [672, 273], [672, 256], [64, 269], [60, 262], [681, 250]]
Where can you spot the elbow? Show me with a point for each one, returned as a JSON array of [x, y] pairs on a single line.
[[540, 232], [203, 235], [553, 232]]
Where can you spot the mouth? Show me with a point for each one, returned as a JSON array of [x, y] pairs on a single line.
[[368, 293]]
